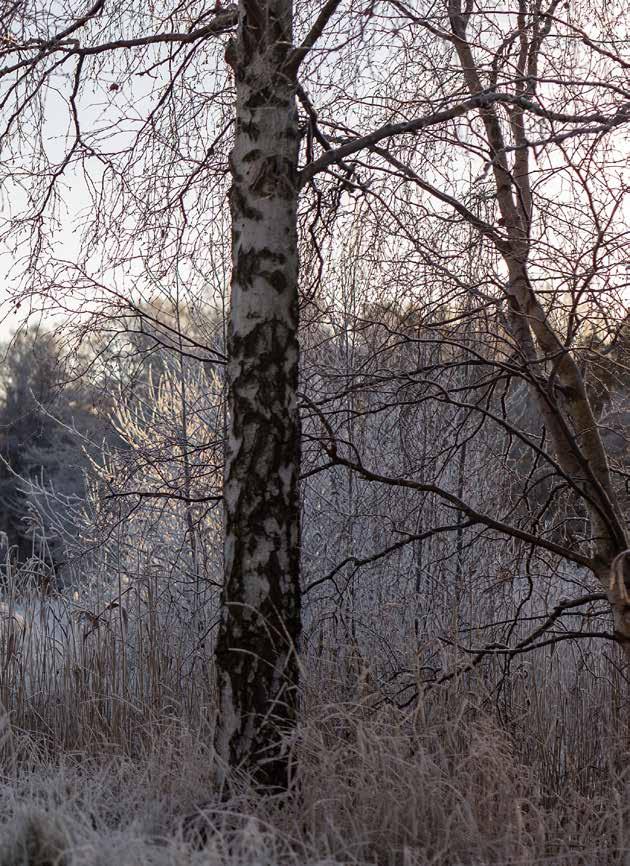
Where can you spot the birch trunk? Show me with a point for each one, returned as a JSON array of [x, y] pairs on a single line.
[[256, 659]]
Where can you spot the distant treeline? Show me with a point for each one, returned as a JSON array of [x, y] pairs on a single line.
[[49, 420]]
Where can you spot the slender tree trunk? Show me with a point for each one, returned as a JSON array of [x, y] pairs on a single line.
[[256, 658], [561, 391], [191, 591]]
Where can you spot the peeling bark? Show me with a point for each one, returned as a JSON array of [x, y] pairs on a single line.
[[256, 653]]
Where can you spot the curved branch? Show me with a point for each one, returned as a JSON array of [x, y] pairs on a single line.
[[476, 517], [410, 539]]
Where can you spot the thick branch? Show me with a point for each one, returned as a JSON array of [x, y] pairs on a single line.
[[482, 100]]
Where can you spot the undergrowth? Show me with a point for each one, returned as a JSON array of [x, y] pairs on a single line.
[[107, 759]]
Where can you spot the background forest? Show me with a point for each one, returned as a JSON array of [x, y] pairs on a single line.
[[462, 382]]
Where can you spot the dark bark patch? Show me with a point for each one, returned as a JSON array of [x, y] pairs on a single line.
[[250, 129], [264, 97], [275, 177], [246, 268], [241, 207], [249, 265], [231, 54], [278, 280]]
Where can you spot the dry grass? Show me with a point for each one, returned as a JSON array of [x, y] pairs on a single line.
[[105, 746]]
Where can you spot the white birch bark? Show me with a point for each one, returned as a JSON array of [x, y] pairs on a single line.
[[256, 653]]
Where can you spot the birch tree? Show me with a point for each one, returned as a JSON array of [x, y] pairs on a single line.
[[153, 169], [547, 298], [258, 640]]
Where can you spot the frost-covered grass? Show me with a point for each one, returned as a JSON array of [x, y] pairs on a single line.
[[106, 756], [371, 789]]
